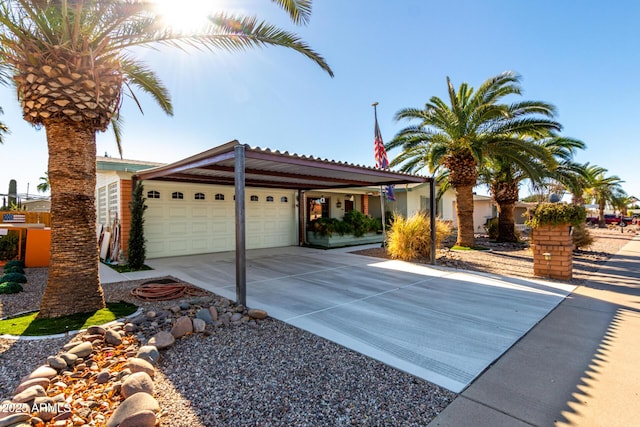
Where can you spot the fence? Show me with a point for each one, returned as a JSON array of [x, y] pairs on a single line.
[[25, 217]]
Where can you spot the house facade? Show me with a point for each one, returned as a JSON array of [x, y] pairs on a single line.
[[187, 217]]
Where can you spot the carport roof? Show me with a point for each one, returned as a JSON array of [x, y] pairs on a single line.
[[274, 169]]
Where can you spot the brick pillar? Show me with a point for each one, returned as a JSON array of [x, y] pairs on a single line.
[[555, 240], [125, 213], [364, 198]]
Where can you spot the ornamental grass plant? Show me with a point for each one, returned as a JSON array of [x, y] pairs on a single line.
[[410, 238]]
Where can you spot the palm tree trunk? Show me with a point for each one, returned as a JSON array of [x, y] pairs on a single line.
[[464, 210], [506, 222], [601, 222], [73, 285]]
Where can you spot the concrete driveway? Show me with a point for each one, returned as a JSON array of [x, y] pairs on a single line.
[[443, 325]]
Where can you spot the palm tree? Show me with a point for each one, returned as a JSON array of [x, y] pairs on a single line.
[[463, 135], [604, 190], [3, 128], [44, 185], [70, 61], [534, 161]]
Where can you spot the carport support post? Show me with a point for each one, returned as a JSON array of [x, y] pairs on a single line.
[[432, 218], [241, 255]]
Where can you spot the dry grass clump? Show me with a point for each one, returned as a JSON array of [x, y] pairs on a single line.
[[581, 236], [410, 238]]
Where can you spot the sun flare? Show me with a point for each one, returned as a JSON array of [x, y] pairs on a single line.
[[185, 15]]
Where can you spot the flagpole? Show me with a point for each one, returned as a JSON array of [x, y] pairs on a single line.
[[384, 231]]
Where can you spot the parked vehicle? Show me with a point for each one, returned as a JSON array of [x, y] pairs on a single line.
[[613, 219]]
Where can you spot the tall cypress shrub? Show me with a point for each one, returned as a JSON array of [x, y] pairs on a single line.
[[137, 249]]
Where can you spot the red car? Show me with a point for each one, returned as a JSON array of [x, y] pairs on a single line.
[[611, 219]]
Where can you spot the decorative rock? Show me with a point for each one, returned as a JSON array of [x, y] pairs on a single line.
[[81, 350], [95, 330], [163, 315], [175, 309], [29, 394], [44, 382], [182, 327], [63, 416], [185, 306], [56, 362], [69, 358], [205, 315], [92, 338], [140, 419], [42, 372], [138, 382], [103, 377], [136, 364], [199, 325], [112, 337], [46, 408], [150, 314], [214, 312], [138, 319], [149, 353], [136, 404], [236, 316], [14, 419], [162, 340], [256, 313], [130, 327]]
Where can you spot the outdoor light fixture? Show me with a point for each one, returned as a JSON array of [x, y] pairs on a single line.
[[547, 257], [338, 204]]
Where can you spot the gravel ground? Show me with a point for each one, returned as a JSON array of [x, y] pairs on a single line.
[[276, 375], [510, 259], [270, 374]]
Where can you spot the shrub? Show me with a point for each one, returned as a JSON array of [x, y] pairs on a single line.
[[354, 222], [492, 228], [14, 277], [581, 236], [556, 214], [13, 269], [9, 246], [361, 223], [137, 250], [15, 262], [409, 239], [10, 288]]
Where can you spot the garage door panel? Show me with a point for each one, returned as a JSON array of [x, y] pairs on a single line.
[[189, 226]]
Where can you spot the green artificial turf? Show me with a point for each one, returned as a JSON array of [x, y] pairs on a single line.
[[467, 248], [28, 325]]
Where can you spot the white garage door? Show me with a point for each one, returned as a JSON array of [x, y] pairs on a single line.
[[187, 219]]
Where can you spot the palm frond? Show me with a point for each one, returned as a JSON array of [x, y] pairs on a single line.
[[144, 78]]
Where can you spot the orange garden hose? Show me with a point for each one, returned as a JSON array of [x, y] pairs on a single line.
[[165, 291]]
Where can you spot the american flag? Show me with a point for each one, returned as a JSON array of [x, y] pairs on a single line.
[[382, 161]]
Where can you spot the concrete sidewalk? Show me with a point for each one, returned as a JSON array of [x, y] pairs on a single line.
[[580, 366]]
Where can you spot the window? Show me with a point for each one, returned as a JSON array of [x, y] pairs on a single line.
[[177, 195], [254, 198], [219, 196], [199, 196], [269, 198], [284, 199], [153, 194], [102, 205], [113, 197]]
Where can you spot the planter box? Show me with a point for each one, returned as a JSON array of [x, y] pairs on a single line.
[[338, 241]]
